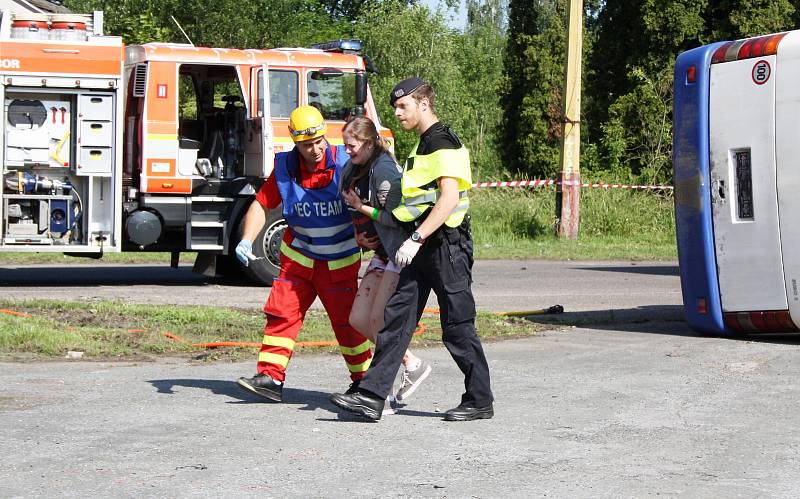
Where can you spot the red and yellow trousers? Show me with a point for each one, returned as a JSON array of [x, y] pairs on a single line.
[[293, 292]]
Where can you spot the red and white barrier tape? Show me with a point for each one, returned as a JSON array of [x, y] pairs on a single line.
[[537, 183]]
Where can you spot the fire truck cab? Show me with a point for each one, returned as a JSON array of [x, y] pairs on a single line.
[[158, 147]]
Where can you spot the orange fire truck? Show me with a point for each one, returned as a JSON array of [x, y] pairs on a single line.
[[155, 147]]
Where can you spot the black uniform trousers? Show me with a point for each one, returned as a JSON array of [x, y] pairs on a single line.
[[444, 265]]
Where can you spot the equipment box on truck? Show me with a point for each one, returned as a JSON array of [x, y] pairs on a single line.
[[735, 153]]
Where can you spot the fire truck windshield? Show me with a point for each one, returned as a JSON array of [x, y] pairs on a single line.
[[334, 95]]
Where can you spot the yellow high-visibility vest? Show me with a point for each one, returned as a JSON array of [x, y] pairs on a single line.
[[420, 189]]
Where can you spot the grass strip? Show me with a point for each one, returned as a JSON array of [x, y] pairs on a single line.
[[615, 224], [48, 329]]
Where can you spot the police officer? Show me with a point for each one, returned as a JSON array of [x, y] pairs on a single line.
[[437, 256], [319, 255]]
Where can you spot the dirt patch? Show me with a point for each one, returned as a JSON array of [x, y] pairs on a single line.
[[84, 317], [20, 403]]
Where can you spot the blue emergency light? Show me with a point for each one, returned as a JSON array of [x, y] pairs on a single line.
[[345, 46]]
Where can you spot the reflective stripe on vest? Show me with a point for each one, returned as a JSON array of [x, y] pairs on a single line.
[[413, 212], [421, 171], [343, 262], [296, 256], [430, 197], [323, 249], [317, 218], [323, 232], [323, 241], [305, 261]]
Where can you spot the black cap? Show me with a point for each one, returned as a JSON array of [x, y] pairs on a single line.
[[405, 87]]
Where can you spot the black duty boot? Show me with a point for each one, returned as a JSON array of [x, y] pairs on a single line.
[[353, 387], [361, 403], [264, 386], [468, 413]]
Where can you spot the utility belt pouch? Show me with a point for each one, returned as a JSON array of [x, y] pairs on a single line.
[[453, 235]]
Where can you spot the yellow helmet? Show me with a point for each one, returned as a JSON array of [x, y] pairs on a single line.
[[306, 123]]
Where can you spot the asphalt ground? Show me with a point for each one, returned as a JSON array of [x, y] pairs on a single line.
[[618, 407], [627, 411]]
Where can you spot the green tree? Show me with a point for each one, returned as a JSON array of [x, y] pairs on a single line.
[[410, 40], [637, 136], [477, 114], [631, 79], [531, 87], [136, 21], [351, 10], [630, 84], [733, 19], [406, 41], [218, 23]]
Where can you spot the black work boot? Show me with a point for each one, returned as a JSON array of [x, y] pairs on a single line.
[[353, 387], [264, 386], [361, 403], [469, 413]]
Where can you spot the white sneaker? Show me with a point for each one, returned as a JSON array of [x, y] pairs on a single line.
[[388, 406], [412, 380]]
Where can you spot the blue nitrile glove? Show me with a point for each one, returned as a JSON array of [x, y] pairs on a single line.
[[244, 252]]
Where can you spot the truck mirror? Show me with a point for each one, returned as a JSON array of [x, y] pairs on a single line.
[[326, 74], [361, 88], [371, 67]]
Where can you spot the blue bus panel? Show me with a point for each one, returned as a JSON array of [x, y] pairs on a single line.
[[693, 217]]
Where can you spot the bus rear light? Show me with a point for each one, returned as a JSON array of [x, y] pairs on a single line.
[[758, 47], [771, 47], [747, 49], [774, 321], [691, 74], [719, 54], [702, 306]]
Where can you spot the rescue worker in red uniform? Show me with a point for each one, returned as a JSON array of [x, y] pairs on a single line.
[[319, 255]]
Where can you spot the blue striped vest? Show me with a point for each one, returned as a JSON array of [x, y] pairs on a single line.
[[318, 218]]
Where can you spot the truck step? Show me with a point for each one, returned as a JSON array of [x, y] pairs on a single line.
[[206, 235], [204, 247], [202, 223]]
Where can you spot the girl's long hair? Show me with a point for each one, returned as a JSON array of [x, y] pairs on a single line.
[[363, 130]]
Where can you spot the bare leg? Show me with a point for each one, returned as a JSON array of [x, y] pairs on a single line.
[[366, 316], [360, 314], [385, 290]]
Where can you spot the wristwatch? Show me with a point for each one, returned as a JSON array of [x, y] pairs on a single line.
[[416, 237]]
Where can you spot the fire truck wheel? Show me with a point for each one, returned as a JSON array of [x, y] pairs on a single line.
[[266, 247]]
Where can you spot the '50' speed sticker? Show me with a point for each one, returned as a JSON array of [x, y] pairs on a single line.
[[761, 72]]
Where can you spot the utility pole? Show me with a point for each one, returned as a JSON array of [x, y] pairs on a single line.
[[568, 192]]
